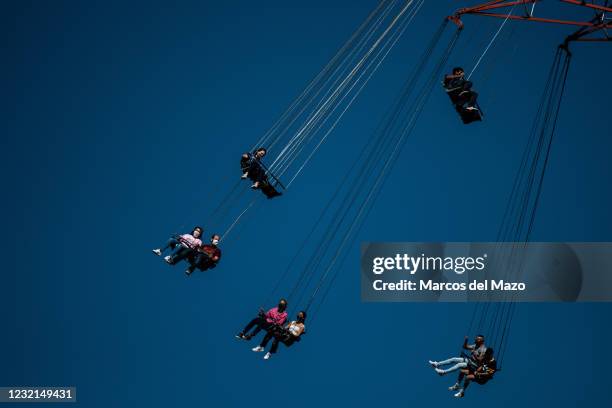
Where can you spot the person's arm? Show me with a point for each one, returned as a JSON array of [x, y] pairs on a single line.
[[467, 346]]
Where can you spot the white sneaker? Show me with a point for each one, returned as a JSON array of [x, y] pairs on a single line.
[[157, 252], [168, 259], [244, 175], [258, 349], [460, 394], [267, 356], [434, 364], [454, 387], [471, 108], [439, 371]]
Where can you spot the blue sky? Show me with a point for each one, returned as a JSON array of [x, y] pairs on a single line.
[[122, 116]]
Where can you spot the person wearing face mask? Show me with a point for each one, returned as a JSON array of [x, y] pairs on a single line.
[[206, 257], [182, 246], [287, 335], [273, 317]]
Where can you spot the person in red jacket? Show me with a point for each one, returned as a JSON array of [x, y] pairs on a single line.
[[268, 320], [207, 256]]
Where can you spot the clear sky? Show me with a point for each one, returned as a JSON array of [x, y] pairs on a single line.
[[120, 119]]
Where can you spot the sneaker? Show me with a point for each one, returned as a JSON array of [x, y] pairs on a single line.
[[258, 349], [189, 271], [454, 387], [440, 372], [460, 394], [168, 259], [240, 336], [255, 185], [244, 175], [434, 364], [267, 356], [157, 252], [471, 108]]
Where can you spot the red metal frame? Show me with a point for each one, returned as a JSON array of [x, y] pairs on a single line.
[[589, 5], [597, 24]]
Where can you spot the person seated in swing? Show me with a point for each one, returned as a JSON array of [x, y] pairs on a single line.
[[182, 246], [206, 257], [253, 169], [287, 335], [460, 89], [473, 360], [481, 375], [265, 320]]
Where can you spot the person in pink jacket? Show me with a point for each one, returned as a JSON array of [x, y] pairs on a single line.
[[182, 246], [272, 318]]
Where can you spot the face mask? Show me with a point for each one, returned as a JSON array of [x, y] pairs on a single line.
[[215, 241]]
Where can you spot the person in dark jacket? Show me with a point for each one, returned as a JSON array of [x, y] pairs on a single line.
[[460, 89], [251, 167]]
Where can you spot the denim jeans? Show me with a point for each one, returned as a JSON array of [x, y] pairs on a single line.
[[171, 244], [179, 251], [460, 362]]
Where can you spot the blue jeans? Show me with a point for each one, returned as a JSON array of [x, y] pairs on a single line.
[[171, 244], [460, 362], [179, 252]]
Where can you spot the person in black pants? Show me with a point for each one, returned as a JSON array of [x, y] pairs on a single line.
[[288, 335], [460, 89], [273, 317], [252, 168]]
